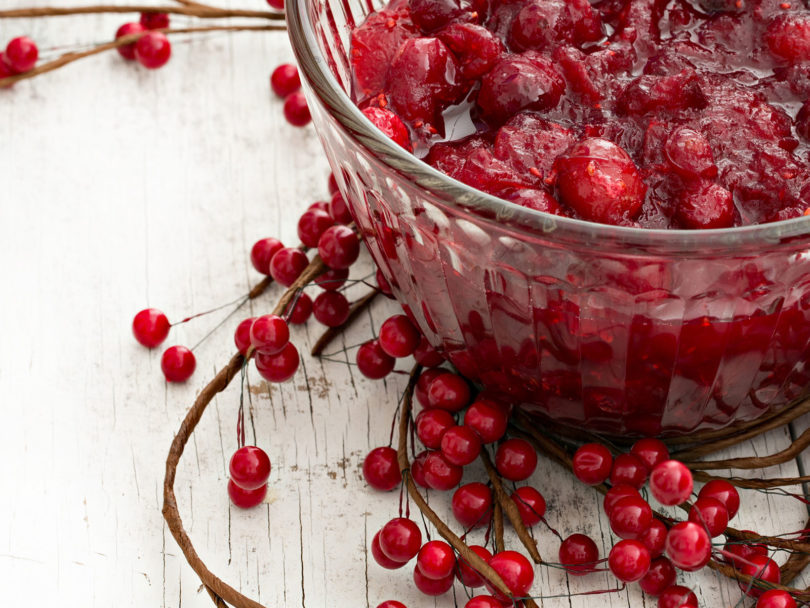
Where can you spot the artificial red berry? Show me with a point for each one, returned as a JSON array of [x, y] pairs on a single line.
[[515, 459], [301, 309], [660, 576], [472, 505], [515, 570], [483, 601], [762, 568], [426, 355], [650, 451], [127, 51], [249, 467], [279, 367], [331, 184], [671, 483], [655, 538], [629, 560], [711, 514], [436, 560], [721, 490], [469, 576], [262, 253], [331, 308], [153, 50], [615, 494], [155, 21], [287, 264], [178, 363], [277, 4], [339, 210], [431, 425], [460, 445], [381, 558], [440, 474], [269, 334], [417, 469], [385, 289], [320, 206], [400, 539], [285, 80], [296, 110], [531, 505], [592, 463], [677, 597], [579, 554], [688, 546], [487, 419], [628, 469], [312, 224], [246, 499], [241, 337], [373, 362], [150, 327], [398, 336], [339, 247], [391, 604], [743, 550], [630, 517], [21, 54], [776, 598], [429, 586], [381, 469], [448, 391], [332, 279], [423, 384]]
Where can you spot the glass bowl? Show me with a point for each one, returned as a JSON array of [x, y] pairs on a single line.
[[617, 330]]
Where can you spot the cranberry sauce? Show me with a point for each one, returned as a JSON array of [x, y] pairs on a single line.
[[675, 114]]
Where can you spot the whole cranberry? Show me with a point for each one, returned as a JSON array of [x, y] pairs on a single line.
[[690, 154], [688, 546], [761, 568], [153, 50], [21, 54], [127, 51], [468, 575], [788, 37], [579, 554], [390, 124], [430, 15], [776, 598], [711, 514], [660, 576], [677, 597], [705, 204]]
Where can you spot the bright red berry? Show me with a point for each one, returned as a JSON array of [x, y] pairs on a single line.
[[426, 355], [431, 587], [483, 601], [312, 224], [269, 334], [630, 517], [711, 514], [339, 247], [655, 538], [153, 50], [391, 604], [677, 597], [776, 598], [381, 558], [279, 367], [440, 474], [331, 308], [651, 452], [472, 505], [688, 546], [660, 576], [301, 309], [615, 494], [629, 560], [246, 499], [277, 4], [761, 568], [417, 469], [390, 124], [721, 490], [592, 463], [448, 391], [249, 467], [487, 419], [400, 539], [332, 279], [21, 54], [671, 483], [155, 21], [436, 560], [398, 336], [150, 327], [241, 337], [515, 570], [178, 363], [296, 110], [285, 80], [373, 362], [579, 554], [516, 459], [628, 469], [431, 425], [287, 264], [423, 384], [469, 576], [531, 505], [339, 210], [127, 51], [262, 252], [381, 469], [460, 445]]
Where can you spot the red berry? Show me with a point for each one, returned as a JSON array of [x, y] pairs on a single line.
[[279, 367], [651, 452], [472, 505], [436, 560], [711, 514], [426, 355], [246, 499], [592, 463], [671, 483], [249, 467], [579, 554], [776, 598], [285, 80], [153, 50], [423, 384], [615, 494], [629, 561], [331, 308], [440, 474], [630, 517], [487, 419], [660, 576], [690, 155], [339, 247], [332, 184], [332, 280], [155, 21], [677, 597], [448, 391], [301, 309], [417, 469], [269, 334], [381, 558], [296, 110], [788, 37], [262, 252], [761, 568], [150, 327], [390, 124], [385, 289], [320, 206], [688, 546], [628, 470], [400, 539], [21, 54], [127, 51], [398, 336], [515, 570], [531, 505], [431, 425], [391, 604], [381, 469], [241, 337], [429, 586], [469, 576], [373, 362], [744, 550], [721, 490], [339, 210], [515, 459], [655, 538], [177, 363], [312, 224], [277, 4], [705, 204], [460, 445], [483, 601], [287, 265]]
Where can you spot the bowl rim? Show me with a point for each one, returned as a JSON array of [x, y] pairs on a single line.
[[323, 84]]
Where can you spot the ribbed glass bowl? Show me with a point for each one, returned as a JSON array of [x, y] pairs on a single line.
[[617, 330]]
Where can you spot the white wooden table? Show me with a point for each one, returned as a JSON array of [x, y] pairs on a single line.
[[122, 189]]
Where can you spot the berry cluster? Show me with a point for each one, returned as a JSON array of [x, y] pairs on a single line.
[[20, 56], [249, 470], [151, 327], [286, 83], [152, 49]]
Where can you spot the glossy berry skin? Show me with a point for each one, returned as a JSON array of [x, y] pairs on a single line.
[[677, 596], [431, 425], [436, 560], [279, 367], [744, 550], [331, 308], [660, 576], [516, 459], [711, 514], [285, 80], [440, 474], [531, 505], [127, 51], [460, 445], [721, 490], [398, 336], [262, 253], [579, 554], [391, 604], [615, 494], [468, 575], [472, 505], [429, 586], [381, 469], [339, 247], [296, 110], [592, 463], [373, 362], [301, 309], [153, 50], [277, 4], [21, 54], [241, 337], [515, 570], [246, 499], [381, 558], [650, 451], [400, 539], [776, 598], [630, 517], [762, 568], [417, 469], [483, 601], [332, 280], [448, 391], [688, 546], [426, 355], [487, 419], [178, 363], [423, 384], [390, 124], [312, 224], [150, 327], [628, 469], [671, 483], [655, 538], [629, 560], [287, 265], [269, 334], [249, 467]]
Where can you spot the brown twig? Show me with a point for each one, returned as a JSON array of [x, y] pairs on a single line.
[[497, 526], [190, 9], [789, 453], [333, 332], [754, 484]]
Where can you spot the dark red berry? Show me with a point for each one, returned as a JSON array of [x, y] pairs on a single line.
[[788, 37], [332, 280], [241, 337], [400, 539], [671, 483], [744, 550], [472, 505], [339, 210], [155, 21], [776, 598], [761, 568], [440, 474], [285, 80], [515, 570], [488, 419], [312, 224], [628, 469], [423, 384], [417, 469], [279, 367], [711, 514], [381, 469], [153, 50], [246, 499], [629, 561], [262, 252], [381, 558], [690, 154], [705, 204], [150, 327], [654, 538], [531, 505], [615, 494], [721, 490], [429, 586], [320, 206], [127, 51], [688, 546], [677, 597], [269, 334], [296, 110], [651, 452], [373, 362], [384, 285], [431, 425], [301, 309], [592, 463], [331, 308], [630, 517], [398, 336], [660, 576], [249, 467], [469, 576], [426, 355], [460, 445], [339, 247], [579, 554], [178, 363], [436, 560], [21, 54], [449, 391], [516, 459], [287, 265]]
